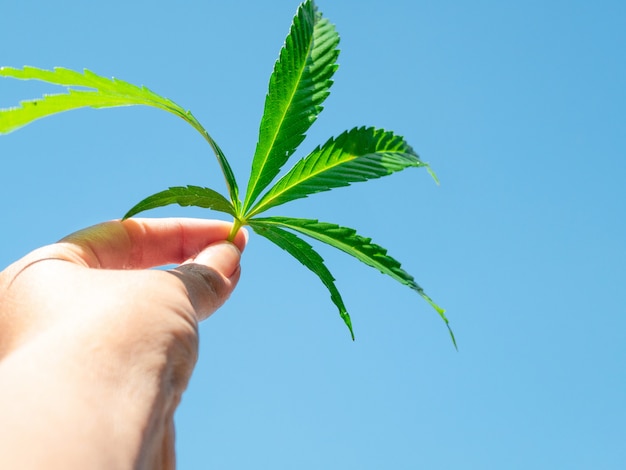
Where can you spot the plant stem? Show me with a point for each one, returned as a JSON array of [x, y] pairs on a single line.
[[233, 232]]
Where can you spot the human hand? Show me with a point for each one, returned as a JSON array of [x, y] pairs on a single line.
[[96, 349]]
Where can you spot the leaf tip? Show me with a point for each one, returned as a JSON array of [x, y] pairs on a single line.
[[456, 347], [128, 214], [432, 174], [346, 318], [442, 314]]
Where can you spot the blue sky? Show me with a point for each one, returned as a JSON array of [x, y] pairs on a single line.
[[518, 107]]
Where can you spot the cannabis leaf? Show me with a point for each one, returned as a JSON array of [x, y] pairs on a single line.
[[299, 84], [100, 92], [356, 155]]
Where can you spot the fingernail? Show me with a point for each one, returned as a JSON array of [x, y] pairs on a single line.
[[246, 234], [224, 257]]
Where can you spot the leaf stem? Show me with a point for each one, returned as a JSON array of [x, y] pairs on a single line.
[[231, 183], [237, 224]]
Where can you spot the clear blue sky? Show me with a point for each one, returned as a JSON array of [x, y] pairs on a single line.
[[520, 109]]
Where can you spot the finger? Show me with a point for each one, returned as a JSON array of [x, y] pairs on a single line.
[[210, 277], [145, 243]]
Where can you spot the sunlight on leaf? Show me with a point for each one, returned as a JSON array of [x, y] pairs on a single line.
[[298, 86], [102, 93], [357, 155]]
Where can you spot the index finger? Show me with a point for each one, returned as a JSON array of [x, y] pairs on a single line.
[[145, 243]]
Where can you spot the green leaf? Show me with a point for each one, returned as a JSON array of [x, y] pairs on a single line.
[[184, 196], [356, 155], [96, 92], [304, 253], [347, 240], [299, 84], [104, 93]]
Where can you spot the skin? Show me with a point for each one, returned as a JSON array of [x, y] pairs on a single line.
[[96, 349]]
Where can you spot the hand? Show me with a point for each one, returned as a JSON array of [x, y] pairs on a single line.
[[96, 350]]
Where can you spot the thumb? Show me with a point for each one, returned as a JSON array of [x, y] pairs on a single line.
[[210, 277], [223, 257]]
